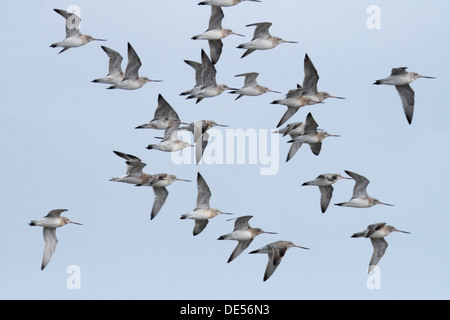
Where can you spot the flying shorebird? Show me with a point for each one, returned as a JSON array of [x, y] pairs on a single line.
[[198, 77], [170, 142], [310, 82], [400, 78], [251, 87], [303, 95], [293, 129], [215, 33], [50, 222], [132, 80], [244, 234], [164, 117], [275, 250], [209, 87], [360, 198], [199, 128], [311, 136], [262, 40], [74, 38], [203, 212], [324, 182], [134, 174], [376, 233], [115, 73], [293, 100], [224, 3], [159, 183]]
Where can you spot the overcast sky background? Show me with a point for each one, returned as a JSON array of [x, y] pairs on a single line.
[[59, 131]]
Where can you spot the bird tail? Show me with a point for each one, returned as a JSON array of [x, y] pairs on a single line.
[[32, 223], [150, 146], [275, 102], [339, 204], [184, 216], [185, 93], [377, 82]]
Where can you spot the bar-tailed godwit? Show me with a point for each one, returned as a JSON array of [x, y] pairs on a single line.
[[132, 80], [400, 78], [310, 82], [310, 136], [50, 222], [170, 142], [134, 174], [165, 116], [324, 182], [159, 183], [74, 38], [203, 212], [294, 100], [293, 129], [251, 86], [215, 33], [360, 198], [376, 233], [209, 87], [262, 39], [199, 129], [244, 234], [115, 73], [197, 66], [275, 250]]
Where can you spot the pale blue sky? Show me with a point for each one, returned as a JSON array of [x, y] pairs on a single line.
[[59, 131]]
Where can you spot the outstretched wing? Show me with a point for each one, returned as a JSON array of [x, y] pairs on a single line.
[[204, 194], [50, 245]]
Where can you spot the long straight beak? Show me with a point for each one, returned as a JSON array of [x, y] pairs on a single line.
[[386, 204], [76, 223], [286, 41], [300, 247], [334, 135], [346, 178], [337, 97], [237, 34], [426, 77], [269, 232], [99, 39], [222, 125], [273, 91], [402, 231], [224, 212], [150, 80], [183, 180]]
